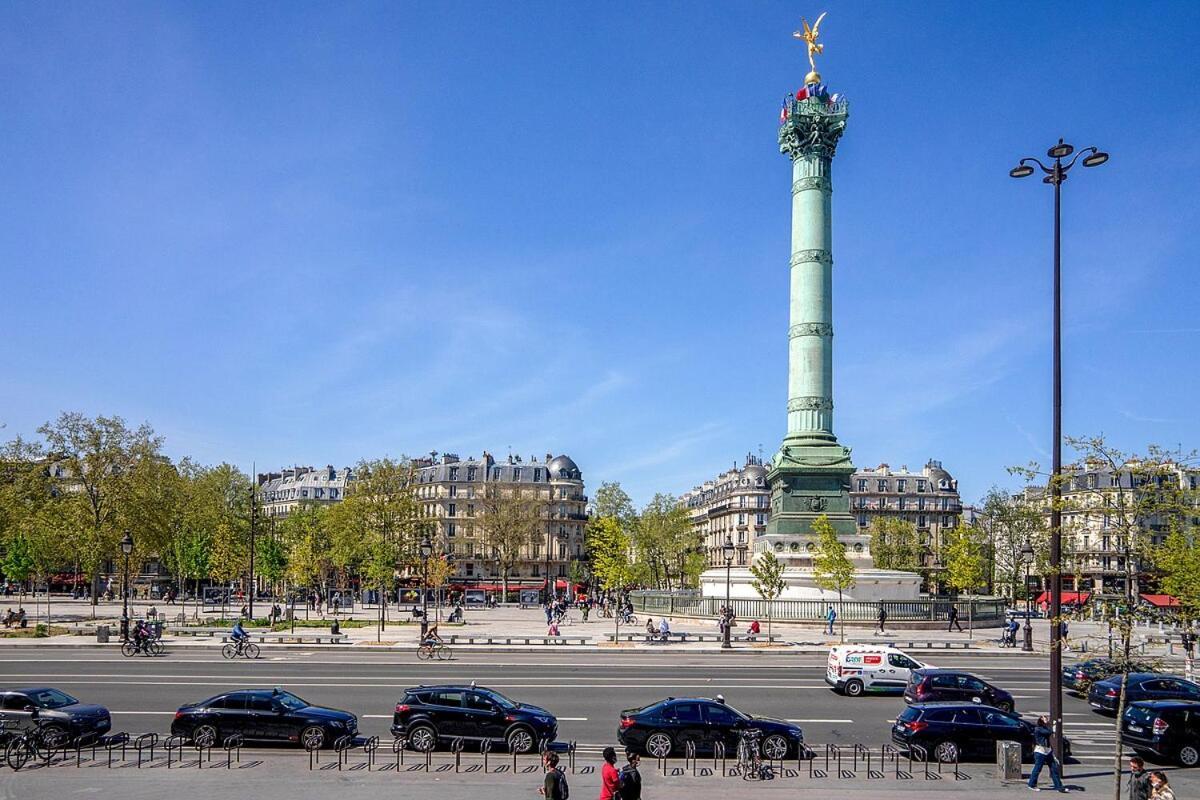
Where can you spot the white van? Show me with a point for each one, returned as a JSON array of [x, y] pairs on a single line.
[[857, 668]]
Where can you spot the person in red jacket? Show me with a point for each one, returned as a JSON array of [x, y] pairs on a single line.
[[610, 779]]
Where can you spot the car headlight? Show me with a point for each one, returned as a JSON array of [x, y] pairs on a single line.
[[543, 720]]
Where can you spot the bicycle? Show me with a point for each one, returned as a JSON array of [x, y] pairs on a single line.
[[240, 648], [147, 647], [43, 740], [431, 650], [749, 757]]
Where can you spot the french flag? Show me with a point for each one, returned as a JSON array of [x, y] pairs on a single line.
[[783, 111]]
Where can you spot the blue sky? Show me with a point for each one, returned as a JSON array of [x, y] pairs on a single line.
[[313, 232]]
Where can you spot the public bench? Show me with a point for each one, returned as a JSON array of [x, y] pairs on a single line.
[[686, 636], [299, 637], [527, 640]]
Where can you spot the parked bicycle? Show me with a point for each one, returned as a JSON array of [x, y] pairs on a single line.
[[240, 648], [431, 650], [749, 757], [40, 742]]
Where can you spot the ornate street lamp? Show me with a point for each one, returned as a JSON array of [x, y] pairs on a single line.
[[426, 550], [727, 552], [126, 548], [1027, 558], [1055, 174]]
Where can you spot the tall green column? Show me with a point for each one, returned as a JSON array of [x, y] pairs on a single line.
[[810, 475]]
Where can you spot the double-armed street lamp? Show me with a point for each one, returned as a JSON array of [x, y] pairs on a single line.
[[1027, 558], [1054, 174], [126, 548], [727, 553], [426, 550]]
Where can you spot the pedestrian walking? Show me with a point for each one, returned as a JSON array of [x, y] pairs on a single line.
[[610, 779], [1139, 779], [830, 616], [631, 779], [1160, 787], [882, 617], [1043, 754], [1062, 635], [1188, 639], [554, 784], [954, 620]]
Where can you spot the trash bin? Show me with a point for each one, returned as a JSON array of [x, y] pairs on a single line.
[[102, 634], [1008, 761]]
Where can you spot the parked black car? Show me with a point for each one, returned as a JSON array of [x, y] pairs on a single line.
[[1104, 695], [262, 715], [958, 731], [1080, 676], [1165, 730], [62, 716], [666, 727], [430, 714], [930, 685]]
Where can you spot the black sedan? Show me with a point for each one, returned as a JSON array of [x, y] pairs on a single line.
[[1106, 694], [932, 685], [667, 726], [429, 714], [1080, 676], [268, 715], [951, 732], [61, 716]]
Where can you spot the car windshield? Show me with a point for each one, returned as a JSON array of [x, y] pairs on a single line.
[[289, 701], [500, 700], [51, 698], [1140, 715]]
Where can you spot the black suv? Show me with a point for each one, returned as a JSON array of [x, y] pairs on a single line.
[[1167, 730], [429, 714], [1106, 694], [933, 685], [952, 732], [667, 727]]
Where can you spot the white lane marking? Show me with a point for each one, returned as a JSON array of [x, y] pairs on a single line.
[[572, 719], [376, 716], [820, 720], [141, 712], [266, 683]]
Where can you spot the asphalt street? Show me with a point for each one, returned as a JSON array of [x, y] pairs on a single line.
[[586, 690]]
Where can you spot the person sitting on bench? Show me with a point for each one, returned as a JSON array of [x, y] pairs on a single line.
[[664, 630]]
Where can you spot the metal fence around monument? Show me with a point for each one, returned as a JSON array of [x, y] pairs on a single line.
[[692, 604]]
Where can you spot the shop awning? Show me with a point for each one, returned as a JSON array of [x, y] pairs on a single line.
[[1161, 600], [1067, 597]]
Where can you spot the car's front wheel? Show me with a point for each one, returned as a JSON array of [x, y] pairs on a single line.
[[946, 752], [312, 737], [422, 738], [1189, 755], [520, 740], [775, 748], [658, 744]]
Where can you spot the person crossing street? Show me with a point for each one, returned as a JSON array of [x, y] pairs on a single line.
[[953, 620]]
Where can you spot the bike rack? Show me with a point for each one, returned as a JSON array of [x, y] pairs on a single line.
[[836, 751], [111, 743], [889, 753], [341, 746], [146, 740], [923, 754], [314, 755], [232, 746], [202, 746], [456, 747], [369, 746], [485, 747], [399, 745], [172, 744], [719, 753], [572, 746], [689, 756], [805, 753]]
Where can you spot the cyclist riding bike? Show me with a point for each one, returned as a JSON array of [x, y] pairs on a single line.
[[238, 634], [431, 636], [140, 635]]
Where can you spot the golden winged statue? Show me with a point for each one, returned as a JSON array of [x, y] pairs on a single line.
[[809, 36]]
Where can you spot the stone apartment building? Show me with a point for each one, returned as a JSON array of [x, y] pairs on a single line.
[[736, 503], [450, 490], [1094, 545], [279, 493]]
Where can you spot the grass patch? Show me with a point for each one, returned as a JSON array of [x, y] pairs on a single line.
[[41, 631]]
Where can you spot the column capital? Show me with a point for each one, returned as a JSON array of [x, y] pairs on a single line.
[[812, 128]]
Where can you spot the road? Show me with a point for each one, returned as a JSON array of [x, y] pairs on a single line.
[[586, 690]]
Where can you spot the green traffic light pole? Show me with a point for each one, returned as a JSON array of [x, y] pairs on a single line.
[[1055, 174]]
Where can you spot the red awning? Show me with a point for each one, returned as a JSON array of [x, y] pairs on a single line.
[[1067, 597], [1161, 600]]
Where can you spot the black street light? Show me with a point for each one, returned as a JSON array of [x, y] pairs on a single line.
[[1027, 557], [126, 548], [1054, 175], [727, 552], [426, 549]]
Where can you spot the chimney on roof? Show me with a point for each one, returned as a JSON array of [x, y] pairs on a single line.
[[549, 457]]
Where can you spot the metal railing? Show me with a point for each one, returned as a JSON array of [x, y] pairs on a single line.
[[692, 604]]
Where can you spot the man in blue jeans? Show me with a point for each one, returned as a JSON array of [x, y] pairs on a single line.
[[830, 616], [1043, 754]]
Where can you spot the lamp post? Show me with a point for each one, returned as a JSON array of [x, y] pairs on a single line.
[[1054, 175], [426, 549], [1027, 557], [126, 548], [727, 553], [253, 531]]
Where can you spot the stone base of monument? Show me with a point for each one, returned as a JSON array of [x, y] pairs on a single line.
[[871, 585]]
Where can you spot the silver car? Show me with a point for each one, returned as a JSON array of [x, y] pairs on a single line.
[[61, 716]]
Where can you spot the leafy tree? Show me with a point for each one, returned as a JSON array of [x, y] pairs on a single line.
[[895, 544], [663, 538], [510, 520], [965, 565], [1010, 525], [188, 559], [1178, 558], [610, 500], [381, 501], [307, 541], [832, 570], [18, 561], [609, 547], [270, 558], [768, 581]]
